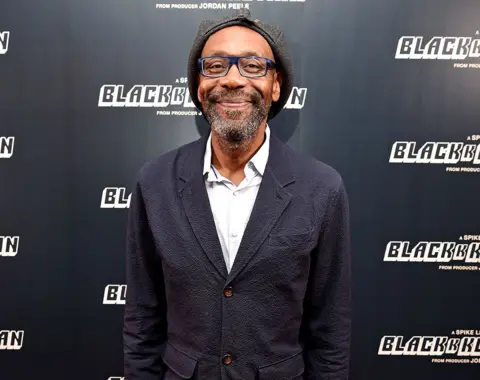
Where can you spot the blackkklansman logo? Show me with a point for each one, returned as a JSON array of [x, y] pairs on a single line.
[[463, 154], [441, 48], [463, 255], [115, 294], [115, 197], [6, 146], [4, 42], [170, 100], [9, 246], [461, 347], [11, 340], [203, 5]]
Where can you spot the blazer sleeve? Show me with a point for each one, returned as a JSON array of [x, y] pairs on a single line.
[[327, 308], [145, 326]]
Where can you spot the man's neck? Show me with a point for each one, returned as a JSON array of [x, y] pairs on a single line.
[[230, 163]]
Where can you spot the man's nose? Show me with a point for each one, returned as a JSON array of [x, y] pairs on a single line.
[[233, 79]]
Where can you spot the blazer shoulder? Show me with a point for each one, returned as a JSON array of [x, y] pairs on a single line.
[[308, 168], [164, 163]]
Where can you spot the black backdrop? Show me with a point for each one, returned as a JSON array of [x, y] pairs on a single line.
[[69, 151]]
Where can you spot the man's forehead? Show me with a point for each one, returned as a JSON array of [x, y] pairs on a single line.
[[237, 40]]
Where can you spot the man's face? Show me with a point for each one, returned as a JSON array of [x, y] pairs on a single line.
[[235, 105]]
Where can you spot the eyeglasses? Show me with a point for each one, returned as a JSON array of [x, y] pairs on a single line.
[[249, 67]]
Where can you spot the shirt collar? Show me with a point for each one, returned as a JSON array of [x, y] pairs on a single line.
[[259, 160]]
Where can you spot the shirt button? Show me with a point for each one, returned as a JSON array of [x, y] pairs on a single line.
[[234, 234], [227, 359], [228, 291]]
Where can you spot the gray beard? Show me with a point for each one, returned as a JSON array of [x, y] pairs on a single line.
[[235, 135]]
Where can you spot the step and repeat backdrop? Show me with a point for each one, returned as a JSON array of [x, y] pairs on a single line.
[[386, 92]]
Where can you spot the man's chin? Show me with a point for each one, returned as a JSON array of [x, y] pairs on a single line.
[[234, 112], [234, 117]]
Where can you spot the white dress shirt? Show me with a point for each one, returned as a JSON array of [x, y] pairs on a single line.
[[232, 205]]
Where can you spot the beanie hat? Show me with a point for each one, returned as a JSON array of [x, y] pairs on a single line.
[[274, 35]]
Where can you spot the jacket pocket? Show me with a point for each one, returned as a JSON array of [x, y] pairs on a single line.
[[179, 363], [291, 239], [287, 369]]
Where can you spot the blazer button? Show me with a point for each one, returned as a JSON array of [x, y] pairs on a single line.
[[227, 359], [228, 291]]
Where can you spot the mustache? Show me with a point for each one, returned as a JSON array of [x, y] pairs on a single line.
[[216, 96]]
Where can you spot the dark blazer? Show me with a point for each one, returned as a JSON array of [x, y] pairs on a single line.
[[284, 310]]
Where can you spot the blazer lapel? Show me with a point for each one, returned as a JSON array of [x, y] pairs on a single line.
[[197, 205], [271, 201]]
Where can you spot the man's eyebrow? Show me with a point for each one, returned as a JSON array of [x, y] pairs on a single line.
[[241, 54]]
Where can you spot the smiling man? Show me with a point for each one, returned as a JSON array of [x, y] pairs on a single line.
[[238, 262]]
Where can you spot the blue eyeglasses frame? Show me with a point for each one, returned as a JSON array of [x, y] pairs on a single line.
[[233, 60]]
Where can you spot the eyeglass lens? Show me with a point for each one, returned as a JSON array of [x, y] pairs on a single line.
[[250, 66]]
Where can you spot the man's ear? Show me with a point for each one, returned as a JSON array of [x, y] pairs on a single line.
[[199, 95], [277, 85]]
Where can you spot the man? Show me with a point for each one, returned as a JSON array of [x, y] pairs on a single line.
[[238, 260]]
